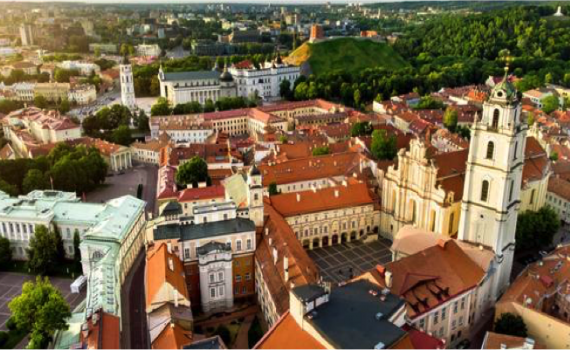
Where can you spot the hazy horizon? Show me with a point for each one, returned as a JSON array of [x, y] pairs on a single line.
[[255, 2]]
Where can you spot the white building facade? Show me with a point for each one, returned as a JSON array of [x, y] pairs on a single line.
[[127, 86], [264, 82]]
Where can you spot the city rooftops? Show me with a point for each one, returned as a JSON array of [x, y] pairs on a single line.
[[358, 315], [204, 230]]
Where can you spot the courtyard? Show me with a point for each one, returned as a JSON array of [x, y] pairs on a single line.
[[341, 262], [11, 286]]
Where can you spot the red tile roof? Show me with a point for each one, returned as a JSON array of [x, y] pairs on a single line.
[[298, 203], [201, 193]]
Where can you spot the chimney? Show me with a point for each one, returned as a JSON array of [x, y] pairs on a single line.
[[286, 267], [388, 278], [336, 193], [275, 256], [170, 264], [298, 197], [528, 344], [169, 247]]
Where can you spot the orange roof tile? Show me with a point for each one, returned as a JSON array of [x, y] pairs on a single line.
[[286, 334], [496, 341], [158, 273], [172, 337], [297, 203]]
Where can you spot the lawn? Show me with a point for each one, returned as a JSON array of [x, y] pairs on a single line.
[[352, 55]]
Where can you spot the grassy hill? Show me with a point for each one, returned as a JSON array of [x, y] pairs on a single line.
[[346, 54]]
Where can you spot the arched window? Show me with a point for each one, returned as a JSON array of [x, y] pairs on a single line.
[[495, 124], [490, 150], [485, 190]]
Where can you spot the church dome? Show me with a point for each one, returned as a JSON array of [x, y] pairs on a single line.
[[504, 90], [226, 76]]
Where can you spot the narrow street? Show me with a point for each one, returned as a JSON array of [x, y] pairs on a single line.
[[135, 331]]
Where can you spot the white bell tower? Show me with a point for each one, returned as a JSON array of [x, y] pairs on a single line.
[[127, 85], [491, 196]]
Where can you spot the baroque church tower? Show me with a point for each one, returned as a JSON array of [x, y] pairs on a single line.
[[255, 196], [491, 196]]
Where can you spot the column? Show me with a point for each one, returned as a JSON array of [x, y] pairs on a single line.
[[130, 159], [311, 244]]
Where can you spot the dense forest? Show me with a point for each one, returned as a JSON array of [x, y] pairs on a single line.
[[456, 50]]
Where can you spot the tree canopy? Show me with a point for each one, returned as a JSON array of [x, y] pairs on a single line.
[[383, 146], [450, 118], [511, 324], [43, 250], [40, 310], [536, 229], [192, 172]]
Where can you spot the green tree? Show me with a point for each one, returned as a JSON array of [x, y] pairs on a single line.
[[554, 156], [59, 248], [122, 135], [7, 188], [511, 324], [272, 188], [285, 89], [42, 252], [530, 119], [428, 102], [536, 229], [283, 139], [209, 106], [161, 107], [5, 252], [321, 151], [40, 310], [97, 52], [192, 172], [550, 104], [361, 129], [41, 102], [76, 250], [450, 118], [141, 122], [64, 106], [35, 180], [383, 146]]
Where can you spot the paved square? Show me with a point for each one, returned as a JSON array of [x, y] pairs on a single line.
[[11, 286], [334, 262]]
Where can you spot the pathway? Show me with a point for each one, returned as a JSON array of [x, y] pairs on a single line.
[[242, 341]]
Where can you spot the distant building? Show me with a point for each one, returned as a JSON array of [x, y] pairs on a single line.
[[245, 36], [127, 86], [199, 86], [263, 81], [148, 50], [26, 35], [104, 48], [84, 68], [317, 32]]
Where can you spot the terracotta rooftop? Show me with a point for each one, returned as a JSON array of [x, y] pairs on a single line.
[[103, 334], [499, 341], [302, 270], [172, 337], [312, 168], [163, 267], [280, 336], [330, 198], [201, 193], [430, 277]]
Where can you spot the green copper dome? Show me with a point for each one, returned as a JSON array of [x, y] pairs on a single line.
[[505, 89]]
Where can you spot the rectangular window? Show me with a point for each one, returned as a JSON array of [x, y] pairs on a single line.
[[249, 246], [212, 292], [247, 276], [422, 323], [238, 278], [238, 245], [221, 291], [186, 253], [463, 303], [220, 276], [436, 317], [453, 325], [455, 307], [461, 321], [212, 278], [244, 290], [443, 314]]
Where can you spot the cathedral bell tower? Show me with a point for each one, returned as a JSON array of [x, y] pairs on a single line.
[[491, 196], [255, 196]]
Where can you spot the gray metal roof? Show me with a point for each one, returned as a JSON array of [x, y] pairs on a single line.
[[355, 319], [199, 231], [196, 75]]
